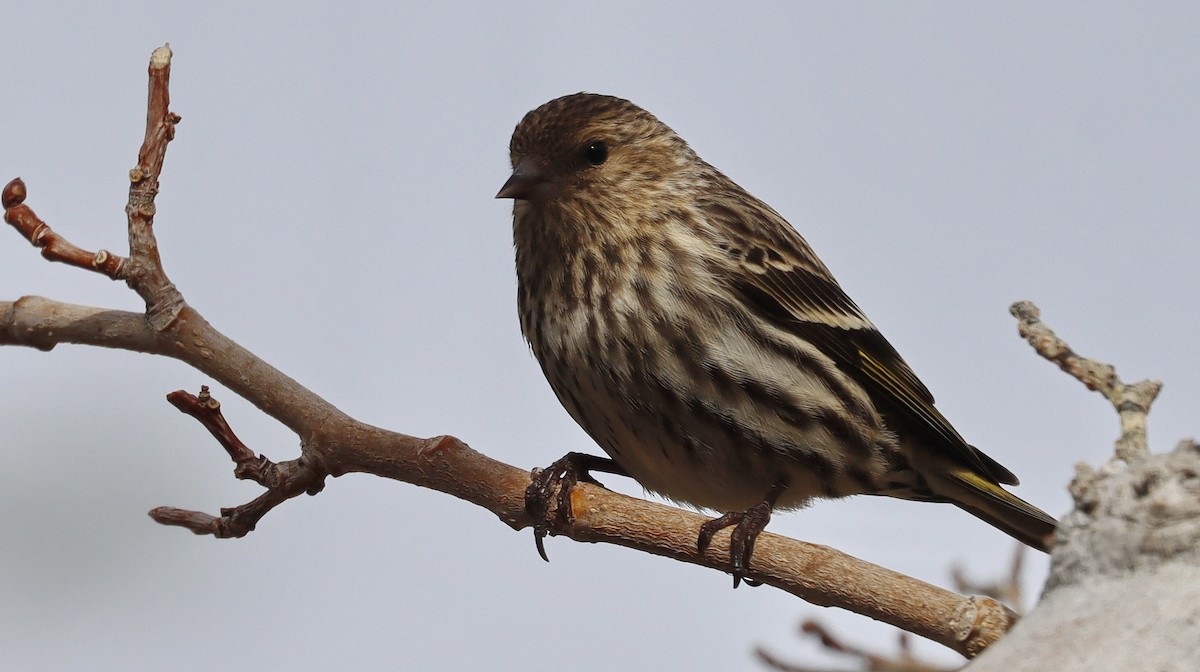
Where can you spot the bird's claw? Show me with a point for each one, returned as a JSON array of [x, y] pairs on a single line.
[[554, 484], [747, 525]]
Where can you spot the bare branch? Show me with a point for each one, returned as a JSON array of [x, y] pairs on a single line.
[[903, 661], [146, 275], [54, 247], [332, 443], [1007, 590], [1131, 401], [35, 322], [143, 269], [282, 481], [207, 410], [293, 479]]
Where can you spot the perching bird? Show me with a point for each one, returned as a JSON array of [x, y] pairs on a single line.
[[694, 334]]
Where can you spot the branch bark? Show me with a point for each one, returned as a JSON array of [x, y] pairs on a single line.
[[1132, 402], [332, 443]]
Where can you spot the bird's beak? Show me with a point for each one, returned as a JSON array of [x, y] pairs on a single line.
[[528, 180]]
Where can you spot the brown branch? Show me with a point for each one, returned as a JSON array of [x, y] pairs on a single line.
[[282, 481], [54, 246], [333, 443], [1132, 402], [295, 478], [143, 269], [146, 275], [207, 411], [36, 322], [1007, 589], [902, 661]]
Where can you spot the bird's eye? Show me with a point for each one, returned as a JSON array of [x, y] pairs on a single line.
[[596, 152]]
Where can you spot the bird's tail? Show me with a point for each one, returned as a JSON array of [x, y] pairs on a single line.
[[988, 501]]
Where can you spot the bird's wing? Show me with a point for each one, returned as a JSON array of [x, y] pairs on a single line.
[[782, 277]]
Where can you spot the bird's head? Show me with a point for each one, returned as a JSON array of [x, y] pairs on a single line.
[[585, 150]]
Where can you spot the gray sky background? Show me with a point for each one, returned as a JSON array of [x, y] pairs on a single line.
[[328, 202]]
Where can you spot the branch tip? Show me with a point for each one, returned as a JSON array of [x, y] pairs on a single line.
[[54, 246], [14, 193], [196, 521], [161, 57]]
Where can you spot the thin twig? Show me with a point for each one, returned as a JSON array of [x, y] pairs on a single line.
[[1132, 402], [54, 246], [902, 661], [145, 274], [282, 481], [1007, 590]]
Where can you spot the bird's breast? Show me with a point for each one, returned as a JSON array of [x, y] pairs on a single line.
[[685, 388]]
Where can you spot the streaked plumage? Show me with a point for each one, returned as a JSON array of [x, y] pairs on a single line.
[[698, 339]]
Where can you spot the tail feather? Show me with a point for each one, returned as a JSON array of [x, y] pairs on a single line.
[[998, 507]]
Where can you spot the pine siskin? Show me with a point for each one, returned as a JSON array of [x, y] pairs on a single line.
[[700, 341]]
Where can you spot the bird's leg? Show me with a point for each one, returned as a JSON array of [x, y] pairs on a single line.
[[561, 477], [746, 527]]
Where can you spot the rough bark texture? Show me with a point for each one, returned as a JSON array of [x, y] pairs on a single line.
[[1124, 587]]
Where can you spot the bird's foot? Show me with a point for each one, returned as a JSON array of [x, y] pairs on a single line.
[[554, 484], [747, 525]]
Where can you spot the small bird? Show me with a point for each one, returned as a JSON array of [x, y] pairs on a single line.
[[696, 337]]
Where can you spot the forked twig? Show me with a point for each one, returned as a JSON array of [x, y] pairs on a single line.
[[282, 481], [1132, 402]]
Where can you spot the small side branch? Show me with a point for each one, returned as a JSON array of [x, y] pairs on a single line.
[[146, 275], [54, 246], [283, 481], [903, 661], [1007, 590], [1132, 402]]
